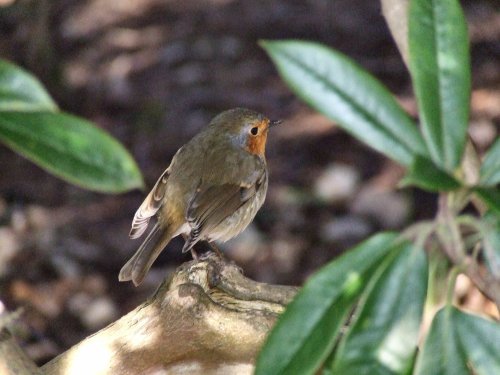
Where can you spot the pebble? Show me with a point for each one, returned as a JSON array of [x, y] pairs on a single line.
[[94, 313], [286, 253], [483, 132], [43, 350], [9, 247], [390, 209], [19, 221], [337, 183], [345, 229], [100, 312], [65, 266], [39, 218], [244, 247], [79, 249]]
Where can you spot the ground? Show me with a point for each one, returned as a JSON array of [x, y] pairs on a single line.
[[152, 73]]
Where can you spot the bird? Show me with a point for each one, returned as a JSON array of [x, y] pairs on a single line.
[[211, 191]]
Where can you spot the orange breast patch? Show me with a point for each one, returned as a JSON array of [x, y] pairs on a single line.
[[257, 145]]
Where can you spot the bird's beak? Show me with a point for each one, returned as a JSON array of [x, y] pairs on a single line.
[[274, 123]]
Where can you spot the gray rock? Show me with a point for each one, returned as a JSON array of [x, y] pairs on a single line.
[[345, 229], [391, 209], [94, 313], [244, 247], [9, 248], [338, 183]]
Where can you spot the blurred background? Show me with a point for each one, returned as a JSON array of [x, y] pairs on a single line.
[[153, 73]]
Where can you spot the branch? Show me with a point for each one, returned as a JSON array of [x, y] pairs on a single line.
[[208, 318], [453, 248]]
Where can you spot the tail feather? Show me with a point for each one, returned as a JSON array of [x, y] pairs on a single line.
[[138, 266]]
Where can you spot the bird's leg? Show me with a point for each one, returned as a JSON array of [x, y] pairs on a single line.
[[215, 249], [194, 254]]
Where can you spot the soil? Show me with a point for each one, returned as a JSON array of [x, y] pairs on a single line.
[[153, 73]]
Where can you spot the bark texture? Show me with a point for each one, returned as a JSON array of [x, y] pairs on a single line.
[[206, 319]]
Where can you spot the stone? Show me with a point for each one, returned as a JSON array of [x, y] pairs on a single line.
[[338, 183]]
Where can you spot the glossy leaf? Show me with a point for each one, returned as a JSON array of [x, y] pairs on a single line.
[[460, 343], [383, 339], [20, 91], [343, 91], [490, 196], [440, 69], [480, 340], [490, 169], [490, 228], [72, 149], [424, 174], [441, 353], [308, 329]]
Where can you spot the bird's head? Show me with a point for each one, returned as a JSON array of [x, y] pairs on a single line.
[[245, 128]]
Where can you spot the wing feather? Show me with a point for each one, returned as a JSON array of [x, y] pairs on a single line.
[[149, 207], [211, 205]]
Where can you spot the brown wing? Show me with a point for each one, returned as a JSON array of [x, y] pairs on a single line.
[[149, 207], [211, 205]]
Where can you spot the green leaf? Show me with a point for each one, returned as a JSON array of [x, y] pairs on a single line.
[[424, 174], [460, 343], [490, 169], [440, 68], [20, 91], [480, 340], [343, 91], [490, 228], [308, 329], [490, 196], [72, 149], [383, 339], [67, 146], [442, 353]]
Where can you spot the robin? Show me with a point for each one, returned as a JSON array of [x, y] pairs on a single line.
[[211, 191]]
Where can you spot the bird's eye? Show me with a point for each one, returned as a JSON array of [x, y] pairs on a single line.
[[254, 130]]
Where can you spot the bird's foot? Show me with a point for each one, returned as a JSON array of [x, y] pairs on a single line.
[[194, 254], [216, 250]]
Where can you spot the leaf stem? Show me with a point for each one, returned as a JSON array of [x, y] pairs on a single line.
[[449, 235], [452, 281]]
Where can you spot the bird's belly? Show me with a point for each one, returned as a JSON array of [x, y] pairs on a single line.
[[237, 222]]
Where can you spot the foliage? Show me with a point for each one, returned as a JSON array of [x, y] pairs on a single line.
[[67, 146], [379, 290]]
